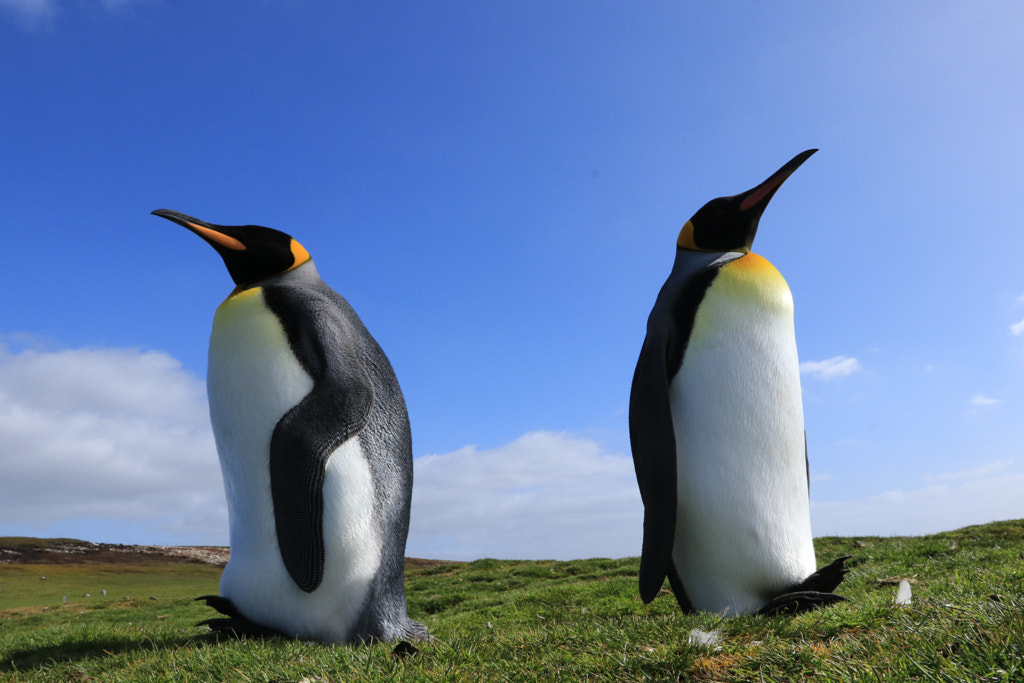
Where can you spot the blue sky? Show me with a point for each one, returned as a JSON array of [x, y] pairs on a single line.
[[497, 189]]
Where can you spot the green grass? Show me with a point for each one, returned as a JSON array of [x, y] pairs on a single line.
[[497, 620], [23, 586]]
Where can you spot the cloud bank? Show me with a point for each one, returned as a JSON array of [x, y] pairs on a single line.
[[945, 501], [114, 445], [545, 495], [106, 434]]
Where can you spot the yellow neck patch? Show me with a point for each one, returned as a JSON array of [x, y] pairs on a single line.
[[686, 238], [752, 277], [300, 254], [241, 291], [753, 263]]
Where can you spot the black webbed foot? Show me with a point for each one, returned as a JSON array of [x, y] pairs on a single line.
[[236, 623]]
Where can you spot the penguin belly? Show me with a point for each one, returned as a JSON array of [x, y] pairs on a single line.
[[253, 379], [743, 531]]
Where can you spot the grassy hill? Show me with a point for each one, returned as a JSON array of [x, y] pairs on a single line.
[[516, 620]]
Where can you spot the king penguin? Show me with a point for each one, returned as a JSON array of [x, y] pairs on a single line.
[[315, 449], [716, 426]]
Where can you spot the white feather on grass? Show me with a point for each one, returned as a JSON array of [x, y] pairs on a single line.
[[903, 593]]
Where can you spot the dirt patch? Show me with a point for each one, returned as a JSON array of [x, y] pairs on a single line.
[[420, 562], [68, 551], [84, 552]]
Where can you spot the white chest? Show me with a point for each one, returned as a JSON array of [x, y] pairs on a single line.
[[252, 380], [743, 524]]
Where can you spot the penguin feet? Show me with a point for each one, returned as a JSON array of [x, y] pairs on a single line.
[[800, 601], [414, 630], [236, 623], [813, 592]]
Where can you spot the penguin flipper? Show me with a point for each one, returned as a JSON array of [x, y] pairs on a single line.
[[653, 442], [335, 410]]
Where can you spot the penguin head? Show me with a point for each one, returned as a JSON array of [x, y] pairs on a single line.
[[251, 253], [730, 223]]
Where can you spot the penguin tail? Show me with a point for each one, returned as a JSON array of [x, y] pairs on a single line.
[[813, 592], [236, 623], [826, 579], [221, 604]]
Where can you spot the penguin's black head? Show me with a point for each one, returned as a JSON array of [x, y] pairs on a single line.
[[251, 252], [730, 223]]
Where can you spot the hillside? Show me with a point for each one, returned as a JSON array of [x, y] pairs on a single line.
[[538, 620], [26, 550]]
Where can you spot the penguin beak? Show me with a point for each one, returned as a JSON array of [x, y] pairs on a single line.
[[752, 203], [212, 234], [756, 200]]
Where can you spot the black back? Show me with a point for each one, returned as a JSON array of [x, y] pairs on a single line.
[[651, 431], [355, 395]]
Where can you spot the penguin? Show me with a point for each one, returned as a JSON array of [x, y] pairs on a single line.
[[716, 426], [315, 450]]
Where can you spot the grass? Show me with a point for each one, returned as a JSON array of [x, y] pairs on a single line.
[[520, 621]]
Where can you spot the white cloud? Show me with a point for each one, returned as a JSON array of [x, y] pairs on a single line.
[[947, 501], [545, 495], [1017, 329], [114, 4], [831, 368], [118, 440], [119, 436], [31, 13], [975, 473], [979, 400]]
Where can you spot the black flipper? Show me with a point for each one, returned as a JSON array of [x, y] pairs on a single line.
[[335, 410], [813, 592], [236, 623], [652, 438], [651, 431]]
